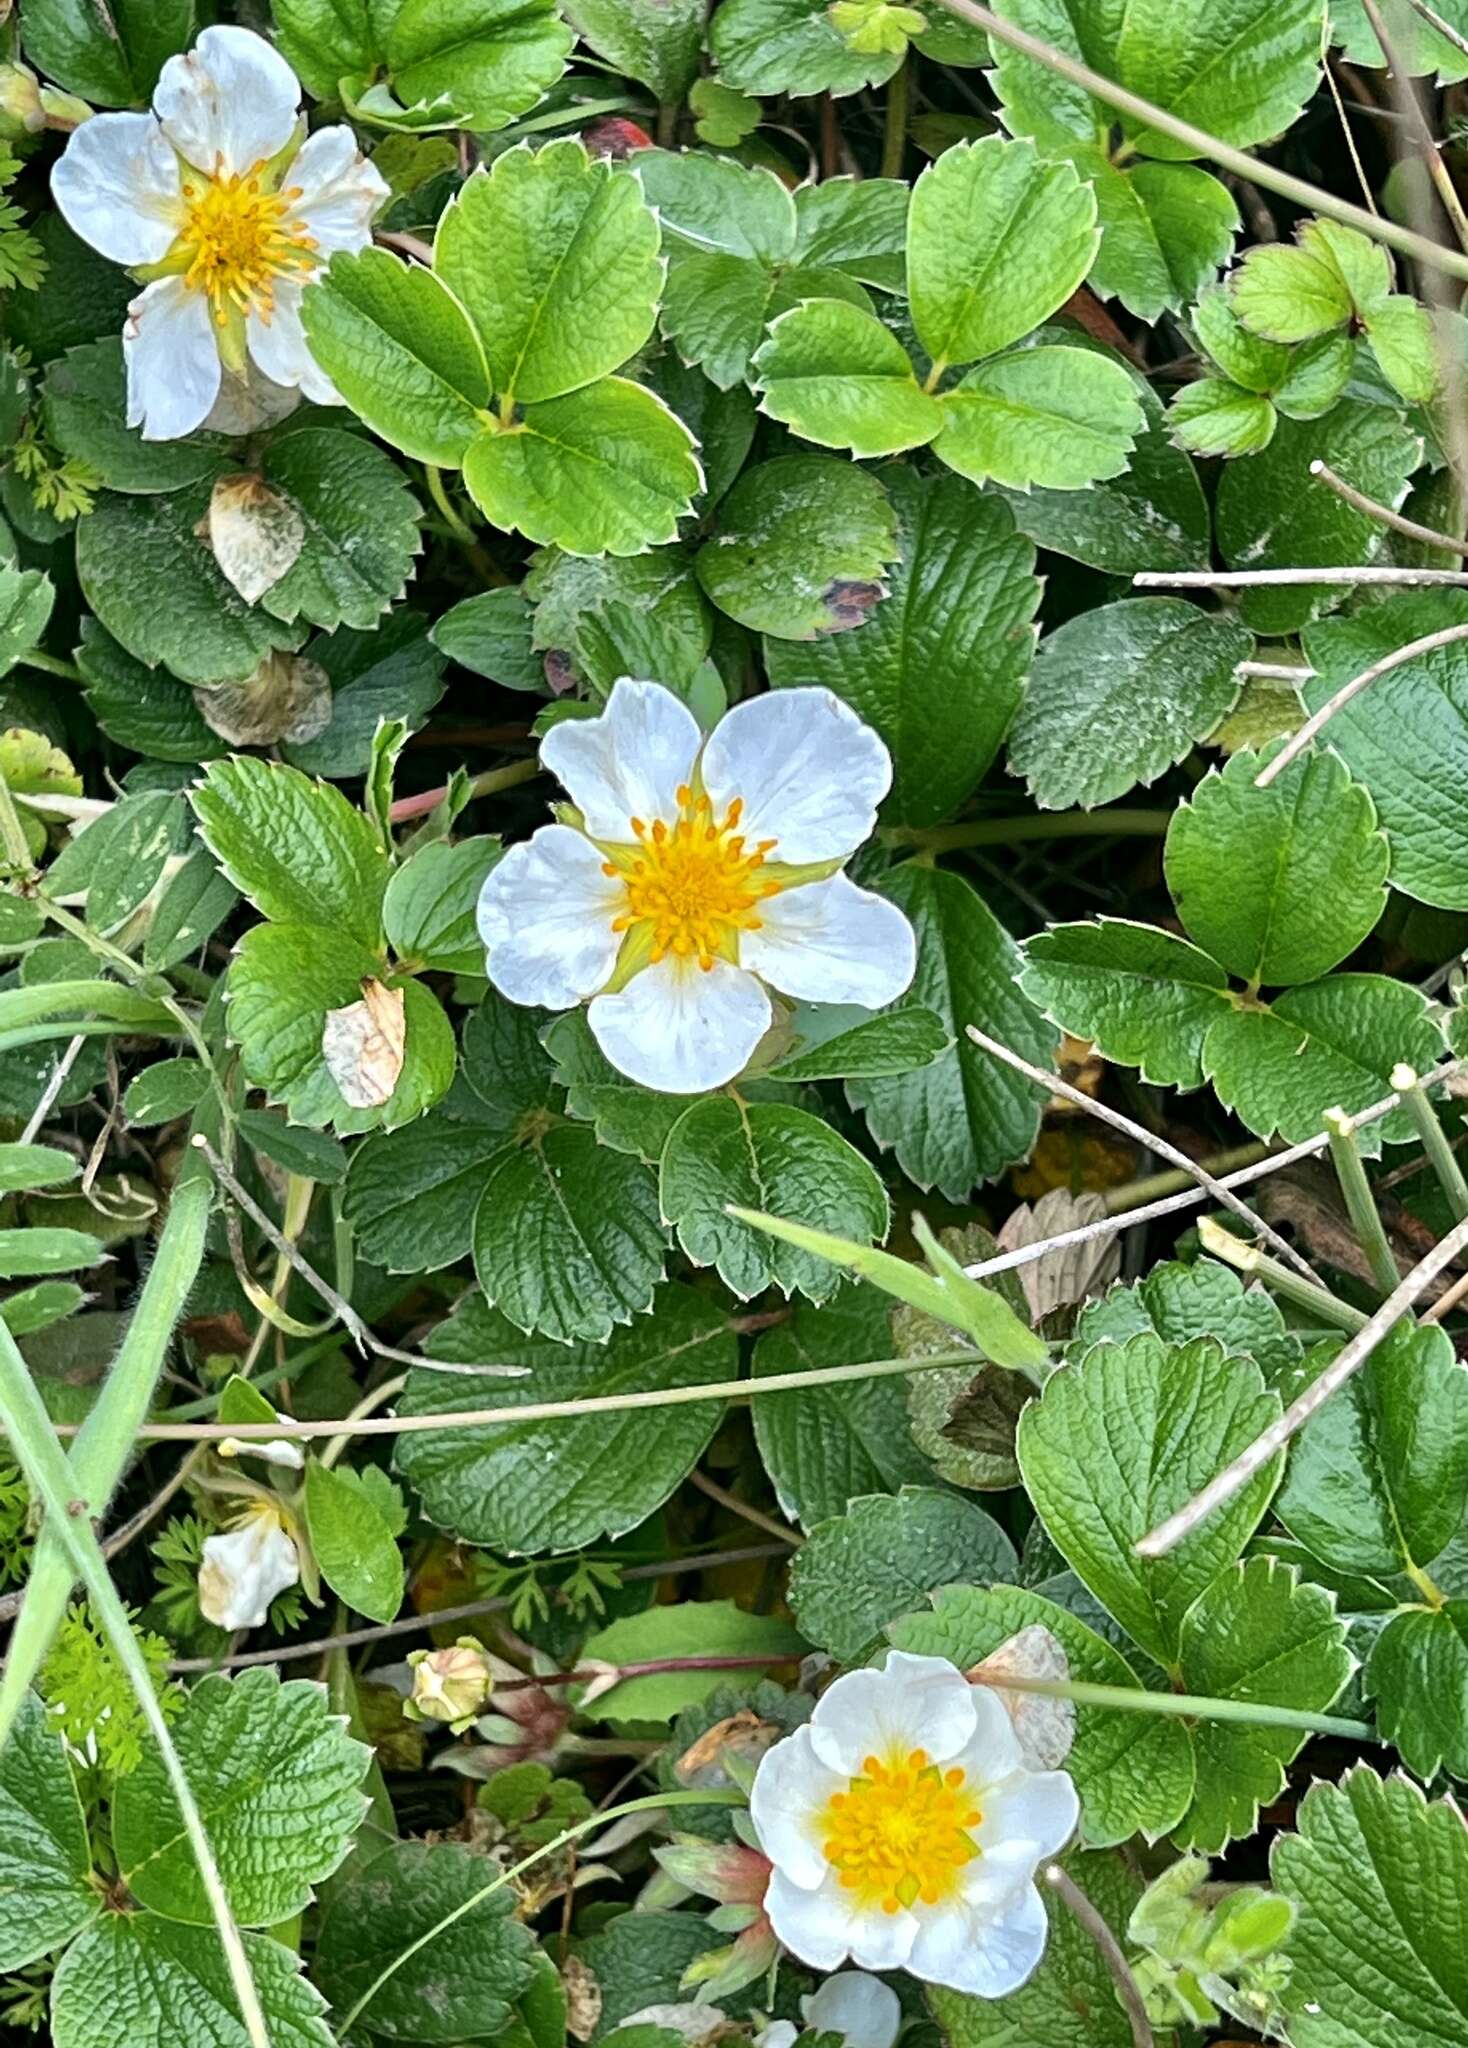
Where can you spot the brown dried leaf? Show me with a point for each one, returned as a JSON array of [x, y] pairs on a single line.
[[255, 531], [583, 1998], [363, 1045], [287, 698], [1046, 1727], [1063, 1278]]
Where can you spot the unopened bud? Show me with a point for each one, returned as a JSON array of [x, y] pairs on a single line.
[[21, 111], [450, 1685], [63, 110]]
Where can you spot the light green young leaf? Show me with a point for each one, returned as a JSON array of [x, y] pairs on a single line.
[[1059, 418], [326, 40], [1165, 230], [1284, 291], [355, 1548], [1122, 1438], [1119, 693], [840, 378], [172, 1981], [45, 1857], [772, 46], [554, 256], [1215, 417], [800, 547], [296, 848], [1142, 996], [769, 1156], [1278, 884]]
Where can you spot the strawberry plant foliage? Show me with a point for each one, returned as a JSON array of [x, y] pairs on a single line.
[[588, 588]]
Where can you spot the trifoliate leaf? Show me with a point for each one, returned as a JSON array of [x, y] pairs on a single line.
[[1142, 996], [45, 1857], [1120, 1440], [1120, 693], [1278, 884], [555, 258], [559, 1485], [1284, 291], [839, 377], [963, 1118], [268, 1764], [823, 1445], [1256, 1634], [296, 848], [175, 1981], [800, 548], [883, 1556], [1059, 418]]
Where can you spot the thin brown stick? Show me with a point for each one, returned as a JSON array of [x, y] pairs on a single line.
[[1397, 521], [1447, 1301], [1410, 106], [409, 245], [1111, 1951], [1167, 1535], [1219, 1190], [1316, 723], [1276, 579], [471, 1610], [755, 1516]]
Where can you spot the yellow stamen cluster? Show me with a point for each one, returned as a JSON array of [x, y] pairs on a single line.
[[695, 883], [899, 1833], [237, 241]]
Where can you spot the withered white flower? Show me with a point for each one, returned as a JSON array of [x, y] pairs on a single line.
[[246, 1567], [223, 205], [905, 1830], [866, 2012], [688, 874]]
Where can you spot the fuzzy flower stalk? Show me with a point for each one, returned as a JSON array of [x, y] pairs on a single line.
[[689, 877], [905, 1828], [224, 208]]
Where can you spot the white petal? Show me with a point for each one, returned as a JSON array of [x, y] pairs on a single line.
[[545, 913], [824, 1927], [1038, 1809], [830, 942], [117, 185], [172, 357], [809, 772], [627, 763], [278, 348], [989, 1957], [913, 1703], [864, 2009], [243, 1571], [681, 1028], [992, 1754], [791, 1789], [229, 103], [339, 191], [778, 2034], [276, 1450]]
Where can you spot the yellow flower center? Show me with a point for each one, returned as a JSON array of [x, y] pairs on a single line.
[[236, 241], [899, 1834], [695, 884]]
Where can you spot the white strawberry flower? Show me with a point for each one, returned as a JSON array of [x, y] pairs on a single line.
[[905, 1830], [694, 875], [223, 205], [245, 1568], [866, 2013]]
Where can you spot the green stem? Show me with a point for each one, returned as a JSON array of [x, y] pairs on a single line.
[[1136, 1194], [51, 1482], [52, 665], [1122, 824], [1441, 1157], [1187, 1705], [152, 984], [1254, 1264], [894, 133], [1345, 1152], [438, 491], [107, 1438], [12, 834], [1198, 142], [650, 1803]]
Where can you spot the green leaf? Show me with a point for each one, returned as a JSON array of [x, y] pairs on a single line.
[[1289, 292], [189, 908], [554, 256], [694, 1628], [882, 1556], [965, 1117], [656, 44], [110, 54], [84, 403], [625, 1116], [605, 470], [157, 588], [268, 1764], [121, 856], [1256, 1634], [1208, 1299], [770, 1156], [1165, 230], [326, 40], [1273, 514], [1406, 737], [1060, 418], [489, 634], [1380, 1877], [145, 710], [1214, 417], [559, 1485], [490, 60], [1402, 341], [800, 548], [772, 46], [36, 1308], [1331, 1043], [1417, 1675], [824, 1445], [296, 848], [352, 1542], [428, 910], [23, 1167], [1279, 884], [165, 1090], [45, 1857], [393, 672], [1142, 996], [462, 1981], [1121, 1439], [308, 1153], [1134, 1772], [997, 239], [858, 225], [837, 1042], [1119, 694], [938, 669], [411, 1193], [361, 525], [174, 1984], [402, 352], [1424, 51], [26, 1252], [839, 377]]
